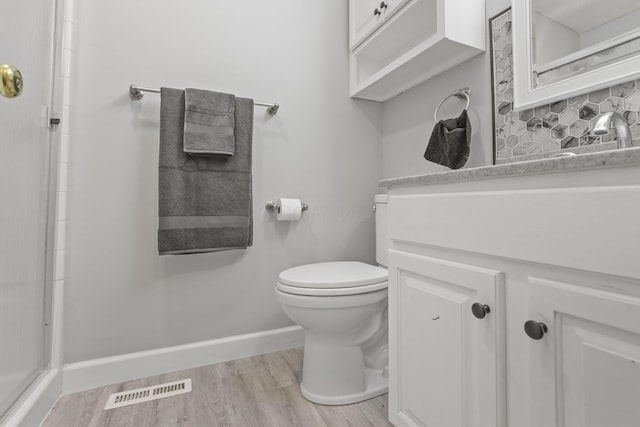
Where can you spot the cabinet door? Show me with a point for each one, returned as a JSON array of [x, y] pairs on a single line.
[[445, 364], [585, 371], [363, 19]]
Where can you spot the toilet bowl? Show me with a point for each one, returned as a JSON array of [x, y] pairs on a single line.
[[342, 308]]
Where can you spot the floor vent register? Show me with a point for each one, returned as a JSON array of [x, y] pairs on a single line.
[[131, 397]]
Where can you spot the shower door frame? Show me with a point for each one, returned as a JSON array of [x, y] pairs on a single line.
[[38, 398]]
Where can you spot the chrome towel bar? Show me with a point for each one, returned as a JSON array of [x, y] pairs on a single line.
[[137, 92]]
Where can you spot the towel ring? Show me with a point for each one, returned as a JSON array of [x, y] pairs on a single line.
[[460, 93]]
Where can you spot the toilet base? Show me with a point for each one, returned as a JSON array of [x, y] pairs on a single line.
[[376, 384]]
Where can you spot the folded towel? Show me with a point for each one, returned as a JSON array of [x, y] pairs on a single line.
[[209, 123], [204, 202], [449, 142]]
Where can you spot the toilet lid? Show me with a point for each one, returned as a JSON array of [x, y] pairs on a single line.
[[332, 275]]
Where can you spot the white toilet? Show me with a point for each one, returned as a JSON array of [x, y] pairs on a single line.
[[342, 307]]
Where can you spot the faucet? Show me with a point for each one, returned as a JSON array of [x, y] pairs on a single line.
[[605, 120]]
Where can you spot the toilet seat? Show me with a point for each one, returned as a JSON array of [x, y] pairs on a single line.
[[333, 279], [331, 292]]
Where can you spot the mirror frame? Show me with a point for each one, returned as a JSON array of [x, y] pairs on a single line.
[[526, 96]]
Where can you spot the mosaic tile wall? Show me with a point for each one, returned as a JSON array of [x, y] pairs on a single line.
[[562, 125]]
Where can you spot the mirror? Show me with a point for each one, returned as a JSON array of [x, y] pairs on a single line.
[[565, 48], [574, 37]]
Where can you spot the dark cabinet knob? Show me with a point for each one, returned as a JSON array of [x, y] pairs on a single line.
[[480, 310], [535, 330], [383, 5], [377, 12]]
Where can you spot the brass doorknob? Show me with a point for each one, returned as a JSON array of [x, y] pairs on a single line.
[[11, 80]]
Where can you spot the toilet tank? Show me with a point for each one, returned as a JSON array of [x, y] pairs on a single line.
[[382, 231]]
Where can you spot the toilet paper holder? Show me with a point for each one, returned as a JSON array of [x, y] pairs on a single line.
[[273, 206]]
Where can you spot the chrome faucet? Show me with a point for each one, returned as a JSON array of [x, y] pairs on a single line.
[[605, 120]]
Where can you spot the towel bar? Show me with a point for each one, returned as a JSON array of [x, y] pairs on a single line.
[[137, 92]]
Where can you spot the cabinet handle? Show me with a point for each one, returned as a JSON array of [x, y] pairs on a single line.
[[377, 12], [383, 5], [480, 310], [535, 330]]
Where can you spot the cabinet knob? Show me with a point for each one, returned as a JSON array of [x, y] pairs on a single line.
[[377, 12], [480, 310], [383, 5], [535, 330]]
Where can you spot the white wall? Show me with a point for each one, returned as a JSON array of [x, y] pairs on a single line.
[[322, 147], [408, 118]]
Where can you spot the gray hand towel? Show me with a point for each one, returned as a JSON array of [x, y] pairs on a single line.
[[205, 203], [449, 142], [209, 123]]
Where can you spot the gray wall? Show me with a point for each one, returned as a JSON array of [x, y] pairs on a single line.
[[408, 118], [322, 147]]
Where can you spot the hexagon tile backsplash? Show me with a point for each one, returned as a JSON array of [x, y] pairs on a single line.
[[555, 127]]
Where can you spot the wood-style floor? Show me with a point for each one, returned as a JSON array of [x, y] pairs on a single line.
[[260, 391]]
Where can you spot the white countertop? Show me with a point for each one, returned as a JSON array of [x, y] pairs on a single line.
[[602, 159]]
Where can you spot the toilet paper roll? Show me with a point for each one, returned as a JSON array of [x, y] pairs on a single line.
[[289, 209]]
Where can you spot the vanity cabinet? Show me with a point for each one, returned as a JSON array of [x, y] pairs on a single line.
[[551, 252], [397, 44], [447, 338]]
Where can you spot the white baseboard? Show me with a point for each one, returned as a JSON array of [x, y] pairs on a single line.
[[94, 373], [37, 401]]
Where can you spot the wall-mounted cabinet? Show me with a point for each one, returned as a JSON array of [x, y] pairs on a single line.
[[408, 42]]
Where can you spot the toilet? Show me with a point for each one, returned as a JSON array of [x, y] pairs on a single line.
[[342, 308]]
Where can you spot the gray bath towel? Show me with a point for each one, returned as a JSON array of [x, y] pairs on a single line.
[[209, 123], [204, 202]]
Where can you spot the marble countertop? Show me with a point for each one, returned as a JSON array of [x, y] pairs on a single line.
[[602, 159]]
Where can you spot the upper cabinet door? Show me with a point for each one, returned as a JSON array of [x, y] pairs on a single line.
[[446, 354], [585, 370], [367, 15], [364, 17]]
